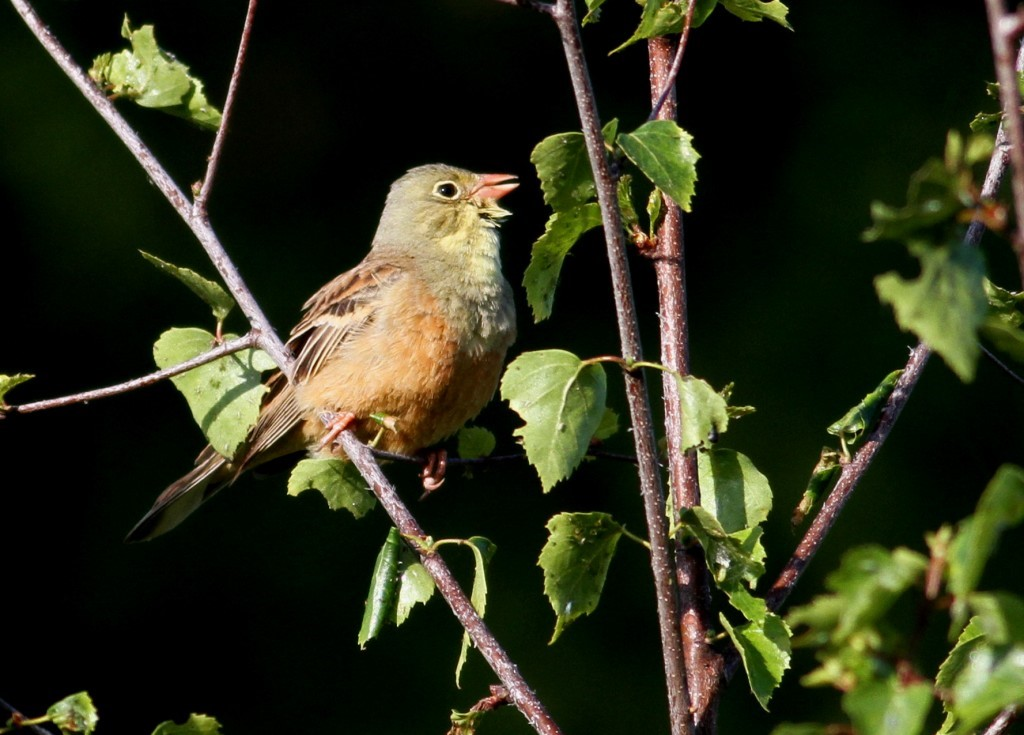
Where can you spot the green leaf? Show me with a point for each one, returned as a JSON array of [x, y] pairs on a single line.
[[803, 728], [219, 300], [732, 489], [475, 441], [1000, 507], [563, 167], [1000, 616], [10, 381], [765, 651], [74, 713], [971, 637], [756, 10], [415, 585], [562, 401], [561, 232], [194, 725], [608, 427], [380, 601], [888, 707], [733, 558], [704, 412], [659, 18], [945, 305], [575, 561], [224, 395], [870, 580], [863, 417], [664, 153], [151, 77], [593, 11], [483, 551], [337, 480], [825, 472]]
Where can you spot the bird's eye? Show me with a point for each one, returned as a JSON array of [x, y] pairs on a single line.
[[447, 189]]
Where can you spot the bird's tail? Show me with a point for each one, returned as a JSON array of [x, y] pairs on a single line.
[[211, 473]]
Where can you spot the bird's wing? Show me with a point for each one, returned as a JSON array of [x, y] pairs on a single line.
[[336, 312]]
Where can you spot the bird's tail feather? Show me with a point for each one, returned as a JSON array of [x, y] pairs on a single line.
[[211, 473]]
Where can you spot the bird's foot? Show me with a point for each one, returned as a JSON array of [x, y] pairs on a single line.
[[433, 471], [335, 423]]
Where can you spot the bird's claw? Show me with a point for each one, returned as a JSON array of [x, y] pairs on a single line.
[[335, 423], [433, 471]]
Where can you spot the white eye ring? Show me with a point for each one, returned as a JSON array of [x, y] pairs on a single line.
[[447, 190]]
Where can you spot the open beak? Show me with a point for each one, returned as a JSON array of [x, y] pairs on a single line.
[[494, 186]]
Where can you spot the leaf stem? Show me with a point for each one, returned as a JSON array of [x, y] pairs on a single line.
[[651, 489]]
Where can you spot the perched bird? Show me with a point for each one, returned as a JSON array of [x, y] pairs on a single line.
[[417, 331]]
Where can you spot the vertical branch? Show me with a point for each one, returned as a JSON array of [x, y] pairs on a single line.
[[651, 489], [1004, 29], [703, 664]]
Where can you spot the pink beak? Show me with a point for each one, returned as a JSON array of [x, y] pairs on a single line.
[[494, 186]]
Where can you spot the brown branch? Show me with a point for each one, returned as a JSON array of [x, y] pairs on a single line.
[[199, 225], [1002, 722], [199, 205], [703, 663], [652, 492], [1004, 29], [519, 691], [221, 350]]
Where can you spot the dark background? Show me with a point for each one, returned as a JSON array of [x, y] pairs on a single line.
[[249, 612]]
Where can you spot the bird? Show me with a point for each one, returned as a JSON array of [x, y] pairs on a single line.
[[417, 331]]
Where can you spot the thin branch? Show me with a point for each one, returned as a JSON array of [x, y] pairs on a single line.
[[651, 489], [538, 5], [199, 205], [221, 350], [667, 80], [703, 663], [16, 714], [519, 691], [1004, 29], [1001, 724], [200, 227]]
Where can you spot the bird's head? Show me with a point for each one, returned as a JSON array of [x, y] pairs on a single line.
[[443, 203]]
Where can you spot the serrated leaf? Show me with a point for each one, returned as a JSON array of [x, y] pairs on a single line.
[[563, 167], [659, 18], [337, 480], [475, 441], [7, 382], [75, 713], [888, 707], [944, 306], [608, 427], [415, 585], [1000, 616], [733, 558], [380, 600], [756, 10], [211, 292], [561, 232], [1000, 507], [224, 395], [593, 11], [732, 489], [562, 401], [863, 417], [194, 725], [664, 152], [704, 412], [765, 651], [575, 561], [483, 551], [151, 77]]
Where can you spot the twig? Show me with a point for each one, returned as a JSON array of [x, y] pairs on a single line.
[[667, 79], [703, 663], [200, 226], [1004, 29], [855, 469], [1002, 722], [538, 5], [419, 459], [227, 348], [199, 205], [15, 713], [519, 691], [651, 489]]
